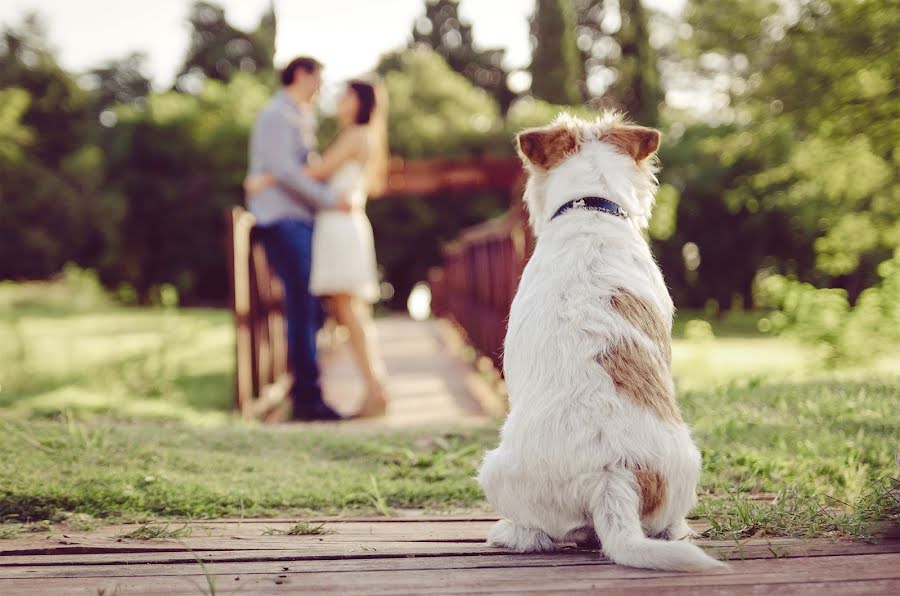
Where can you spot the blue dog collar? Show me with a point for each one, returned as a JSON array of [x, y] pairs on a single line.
[[594, 204]]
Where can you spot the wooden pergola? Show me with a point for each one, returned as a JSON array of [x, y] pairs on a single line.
[[474, 288]]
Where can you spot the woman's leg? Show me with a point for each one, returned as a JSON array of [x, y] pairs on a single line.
[[354, 315]]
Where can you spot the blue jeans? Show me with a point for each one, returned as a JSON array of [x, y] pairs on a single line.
[[288, 246]]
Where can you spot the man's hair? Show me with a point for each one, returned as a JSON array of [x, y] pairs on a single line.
[[304, 63]]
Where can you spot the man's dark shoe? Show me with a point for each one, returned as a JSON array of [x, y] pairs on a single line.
[[318, 410]]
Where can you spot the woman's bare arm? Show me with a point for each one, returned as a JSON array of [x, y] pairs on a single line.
[[347, 146]]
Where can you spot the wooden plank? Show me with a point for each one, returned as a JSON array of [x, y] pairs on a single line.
[[869, 574], [271, 533], [110, 551], [375, 561]]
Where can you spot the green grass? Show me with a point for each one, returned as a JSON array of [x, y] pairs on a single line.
[[123, 414], [89, 356], [146, 469], [158, 532], [298, 529]]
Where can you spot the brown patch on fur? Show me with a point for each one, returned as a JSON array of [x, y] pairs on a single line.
[[636, 141], [647, 319], [546, 148], [652, 488], [640, 375]]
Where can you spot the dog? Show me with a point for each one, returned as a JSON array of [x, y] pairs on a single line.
[[594, 446]]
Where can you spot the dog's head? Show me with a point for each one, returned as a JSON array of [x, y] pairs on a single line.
[[573, 158]]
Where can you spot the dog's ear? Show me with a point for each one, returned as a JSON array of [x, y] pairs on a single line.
[[546, 147], [637, 141]]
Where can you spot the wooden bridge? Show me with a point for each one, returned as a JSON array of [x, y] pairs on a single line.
[[471, 293]]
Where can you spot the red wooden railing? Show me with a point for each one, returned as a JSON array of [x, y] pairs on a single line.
[[478, 280]]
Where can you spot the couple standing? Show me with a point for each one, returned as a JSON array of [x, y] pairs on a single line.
[[290, 188]]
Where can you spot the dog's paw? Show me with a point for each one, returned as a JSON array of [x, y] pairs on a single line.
[[679, 531], [519, 538]]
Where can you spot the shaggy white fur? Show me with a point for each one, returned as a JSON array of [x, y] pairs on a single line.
[[573, 445]]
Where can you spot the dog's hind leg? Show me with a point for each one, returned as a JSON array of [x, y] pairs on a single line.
[[519, 538]]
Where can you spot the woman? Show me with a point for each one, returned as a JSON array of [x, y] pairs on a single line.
[[343, 256]]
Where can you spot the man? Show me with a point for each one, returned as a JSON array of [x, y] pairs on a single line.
[[282, 139]]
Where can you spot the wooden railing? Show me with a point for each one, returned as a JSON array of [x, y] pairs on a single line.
[[478, 280], [262, 378]]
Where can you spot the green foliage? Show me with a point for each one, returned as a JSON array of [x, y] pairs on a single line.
[[444, 31], [42, 220], [665, 213], [824, 317], [58, 110], [120, 81], [622, 67], [556, 67], [177, 164], [13, 134], [435, 111], [818, 91]]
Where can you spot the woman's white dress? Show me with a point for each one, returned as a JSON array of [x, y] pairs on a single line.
[[343, 253]]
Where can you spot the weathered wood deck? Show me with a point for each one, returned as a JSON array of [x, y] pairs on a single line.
[[410, 554]]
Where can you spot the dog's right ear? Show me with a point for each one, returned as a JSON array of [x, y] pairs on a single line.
[[546, 147]]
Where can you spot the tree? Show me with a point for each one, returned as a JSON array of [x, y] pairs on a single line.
[[435, 112], [218, 50], [14, 136], [44, 123], [58, 110], [823, 77], [622, 67], [176, 165], [121, 81], [556, 69], [442, 30]]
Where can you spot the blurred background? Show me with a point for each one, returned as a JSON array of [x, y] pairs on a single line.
[[124, 128]]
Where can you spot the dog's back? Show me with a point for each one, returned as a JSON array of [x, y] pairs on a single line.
[[594, 438]]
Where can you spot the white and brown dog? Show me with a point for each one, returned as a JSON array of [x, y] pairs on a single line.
[[594, 445]]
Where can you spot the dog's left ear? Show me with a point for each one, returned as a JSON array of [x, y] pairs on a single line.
[[546, 147], [637, 141]]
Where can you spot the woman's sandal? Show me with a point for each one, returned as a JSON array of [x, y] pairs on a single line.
[[374, 405]]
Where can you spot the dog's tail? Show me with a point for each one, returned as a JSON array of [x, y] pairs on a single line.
[[616, 512]]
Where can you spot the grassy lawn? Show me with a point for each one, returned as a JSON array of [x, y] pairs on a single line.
[[112, 413]]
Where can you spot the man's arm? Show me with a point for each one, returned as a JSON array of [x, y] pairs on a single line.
[[346, 147], [277, 160]]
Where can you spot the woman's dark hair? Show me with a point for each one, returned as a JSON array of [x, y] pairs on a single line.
[[365, 94], [304, 63]]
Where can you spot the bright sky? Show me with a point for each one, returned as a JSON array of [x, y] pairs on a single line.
[[347, 35]]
